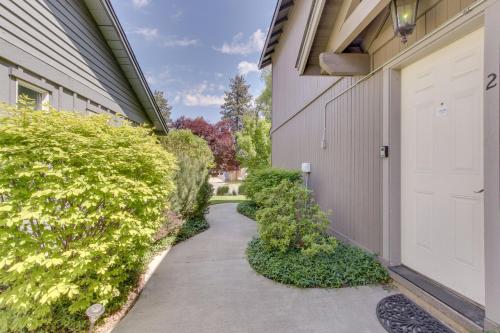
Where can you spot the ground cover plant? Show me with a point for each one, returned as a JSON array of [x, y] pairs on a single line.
[[80, 201], [247, 208], [346, 266]]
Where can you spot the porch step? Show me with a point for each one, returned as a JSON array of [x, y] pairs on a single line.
[[459, 313]]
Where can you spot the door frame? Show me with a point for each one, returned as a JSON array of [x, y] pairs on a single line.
[[485, 13]]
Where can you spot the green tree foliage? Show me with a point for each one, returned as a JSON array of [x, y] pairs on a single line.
[[264, 101], [259, 180], [289, 219], [79, 203], [194, 159], [165, 108], [237, 102], [254, 144]]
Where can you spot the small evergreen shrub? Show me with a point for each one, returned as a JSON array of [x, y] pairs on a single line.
[[234, 192], [241, 189], [222, 190], [203, 199], [289, 219], [79, 203], [259, 180], [346, 266], [194, 159], [248, 209]]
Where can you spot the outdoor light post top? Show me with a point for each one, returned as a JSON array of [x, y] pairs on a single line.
[[94, 312]]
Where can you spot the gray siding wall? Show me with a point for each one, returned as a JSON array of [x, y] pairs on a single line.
[[44, 37], [346, 176], [292, 92]]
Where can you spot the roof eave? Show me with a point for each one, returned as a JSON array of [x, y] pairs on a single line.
[[280, 16], [106, 19]]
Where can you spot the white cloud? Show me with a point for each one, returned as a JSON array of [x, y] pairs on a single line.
[[254, 43], [141, 3], [203, 94], [246, 67], [173, 41], [147, 33], [153, 34]]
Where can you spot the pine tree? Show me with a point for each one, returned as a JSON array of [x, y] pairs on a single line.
[[237, 102], [165, 108]]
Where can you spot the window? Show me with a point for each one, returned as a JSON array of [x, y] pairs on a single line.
[[37, 96]]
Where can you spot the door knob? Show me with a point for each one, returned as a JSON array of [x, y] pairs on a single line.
[[480, 191]]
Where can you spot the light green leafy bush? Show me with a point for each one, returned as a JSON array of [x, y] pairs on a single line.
[[79, 203], [254, 143], [259, 180], [194, 159], [289, 219]]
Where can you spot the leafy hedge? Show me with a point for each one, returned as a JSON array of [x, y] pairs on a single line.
[[259, 180], [222, 190], [194, 159], [79, 203], [346, 266]]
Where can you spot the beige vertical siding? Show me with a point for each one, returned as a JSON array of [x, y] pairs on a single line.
[[292, 92], [346, 177]]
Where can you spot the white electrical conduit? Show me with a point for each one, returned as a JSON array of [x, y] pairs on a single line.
[[369, 75]]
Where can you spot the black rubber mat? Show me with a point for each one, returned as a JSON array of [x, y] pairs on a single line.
[[398, 314]]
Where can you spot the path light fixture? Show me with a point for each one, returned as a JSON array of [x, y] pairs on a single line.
[[404, 17], [94, 312]]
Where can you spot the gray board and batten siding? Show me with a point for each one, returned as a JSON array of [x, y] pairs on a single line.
[[57, 44]]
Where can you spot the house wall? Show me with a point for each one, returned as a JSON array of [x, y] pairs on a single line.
[[292, 92], [57, 42], [346, 176]]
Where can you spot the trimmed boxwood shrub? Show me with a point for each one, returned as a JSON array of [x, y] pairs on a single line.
[[194, 159], [259, 180], [222, 190], [80, 200], [346, 266]]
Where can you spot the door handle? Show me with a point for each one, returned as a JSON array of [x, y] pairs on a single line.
[[480, 191]]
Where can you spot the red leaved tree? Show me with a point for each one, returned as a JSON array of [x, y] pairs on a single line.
[[220, 138]]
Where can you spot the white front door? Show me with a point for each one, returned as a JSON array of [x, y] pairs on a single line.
[[442, 166]]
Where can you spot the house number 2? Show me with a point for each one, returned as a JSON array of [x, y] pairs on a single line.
[[492, 81]]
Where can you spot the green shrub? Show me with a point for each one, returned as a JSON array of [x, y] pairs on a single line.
[[346, 266], [190, 228], [79, 203], [222, 190], [194, 159], [259, 180], [289, 219], [203, 199], [248, 209], [241, 189]]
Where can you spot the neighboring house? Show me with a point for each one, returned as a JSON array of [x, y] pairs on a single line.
[[74, 55], [402, 138]]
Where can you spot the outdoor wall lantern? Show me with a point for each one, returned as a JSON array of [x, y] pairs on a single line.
[[404, 17]]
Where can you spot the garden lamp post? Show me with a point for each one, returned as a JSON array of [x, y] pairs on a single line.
[[404, 17], [94, 312]]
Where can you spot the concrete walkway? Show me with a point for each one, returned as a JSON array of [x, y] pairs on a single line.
[[206, 285]]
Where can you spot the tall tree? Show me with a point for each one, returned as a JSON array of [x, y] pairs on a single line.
[[165, 108], [264, 100], [219, 137], [254, 143], [237, 102]]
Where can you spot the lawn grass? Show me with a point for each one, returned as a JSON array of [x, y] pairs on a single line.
[[346, 266], [217, 199]]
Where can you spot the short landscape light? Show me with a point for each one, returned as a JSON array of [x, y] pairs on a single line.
[[94, 312], [404, 17]]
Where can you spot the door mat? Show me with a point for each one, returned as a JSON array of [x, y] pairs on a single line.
[[398, 314]]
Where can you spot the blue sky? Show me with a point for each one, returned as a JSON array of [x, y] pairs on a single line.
[[191, 48]]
